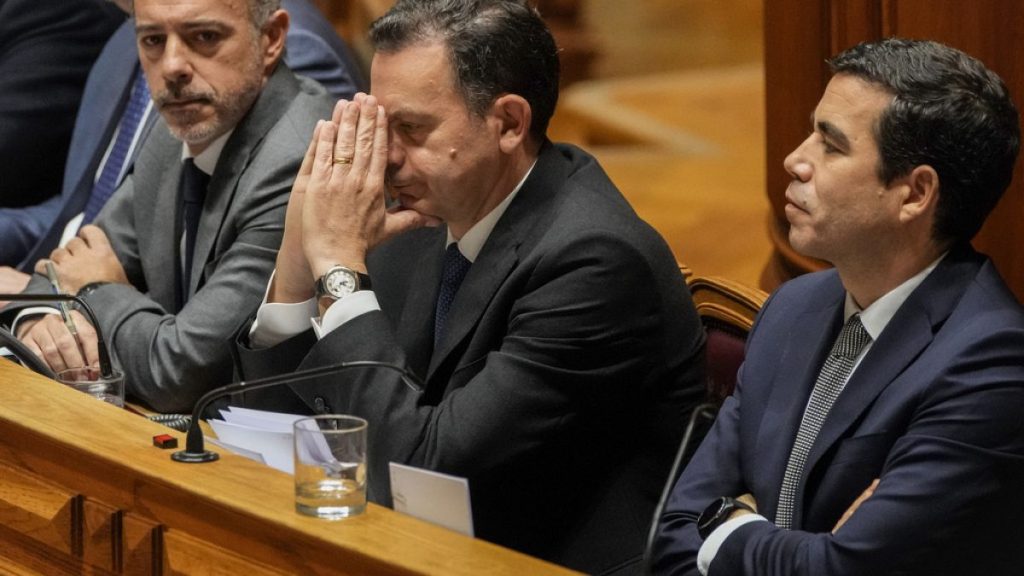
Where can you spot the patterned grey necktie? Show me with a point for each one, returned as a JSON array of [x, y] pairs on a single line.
[[834, 374]]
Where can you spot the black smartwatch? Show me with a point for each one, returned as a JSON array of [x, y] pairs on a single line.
[[717, 513]]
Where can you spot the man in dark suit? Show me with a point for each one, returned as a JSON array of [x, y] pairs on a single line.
[[313, 49], [178, 257], [558, 374], [46, 51], [876, 424]]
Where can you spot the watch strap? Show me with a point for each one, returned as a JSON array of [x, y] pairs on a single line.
[[717, 513]]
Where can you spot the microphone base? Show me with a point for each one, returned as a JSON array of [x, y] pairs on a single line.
[[194, 457]]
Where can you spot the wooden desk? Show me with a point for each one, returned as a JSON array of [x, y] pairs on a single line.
[[83, 490]]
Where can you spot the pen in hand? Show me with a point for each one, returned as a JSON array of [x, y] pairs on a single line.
[[65, 310]]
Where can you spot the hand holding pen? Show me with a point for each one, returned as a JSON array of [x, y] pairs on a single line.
[[66, 312]]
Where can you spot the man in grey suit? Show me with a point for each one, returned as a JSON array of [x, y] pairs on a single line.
[[171, 273], [559, 372]]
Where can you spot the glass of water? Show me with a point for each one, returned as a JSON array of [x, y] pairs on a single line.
[[330, 466], [90, 380]]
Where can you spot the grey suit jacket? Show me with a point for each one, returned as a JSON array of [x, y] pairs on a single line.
[[572, 356], [171, 357]]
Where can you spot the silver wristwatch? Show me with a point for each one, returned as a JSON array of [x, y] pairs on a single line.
[[339, 282]]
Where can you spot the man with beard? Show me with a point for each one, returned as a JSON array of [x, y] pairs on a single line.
[[179, 257]]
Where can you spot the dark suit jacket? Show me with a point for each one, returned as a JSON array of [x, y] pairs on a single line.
[[934, 410], [572, 356], [46, 50], [172, 357], [313, 50]]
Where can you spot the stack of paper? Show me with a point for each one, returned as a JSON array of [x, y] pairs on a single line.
[[263, 436]]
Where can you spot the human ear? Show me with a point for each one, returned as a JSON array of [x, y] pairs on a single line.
[[513, 115], [921, 193], [273, 37]]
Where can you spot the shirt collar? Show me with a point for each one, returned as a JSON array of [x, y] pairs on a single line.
[[207, 159], [473, 240], [877, 316]]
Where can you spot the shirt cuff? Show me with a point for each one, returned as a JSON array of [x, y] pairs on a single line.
[[28, 313], [709, 549], [349, 307], [277, 321]]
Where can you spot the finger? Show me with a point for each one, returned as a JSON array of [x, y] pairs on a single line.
[[75, 245], [65, 342], [344, 148], [399, 221], [323, 155], [365, 135], [306, 168], [379, 157], [94, 237], [41, 266], [339, 107], [88, 337], [58, 255], [42, 336]]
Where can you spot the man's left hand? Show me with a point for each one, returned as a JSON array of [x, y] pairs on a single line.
[[86, 259]]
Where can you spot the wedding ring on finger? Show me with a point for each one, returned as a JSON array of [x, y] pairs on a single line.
[[343, 160]]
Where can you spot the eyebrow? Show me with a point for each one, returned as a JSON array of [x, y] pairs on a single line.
[[833, 133], [203, 23]]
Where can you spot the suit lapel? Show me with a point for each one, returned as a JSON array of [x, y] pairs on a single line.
[[485, 276], [795, 375], [248, 136], [530, 210], [909, 332], [416, 324], [163, 241]]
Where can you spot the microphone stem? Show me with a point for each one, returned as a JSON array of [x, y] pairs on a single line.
[[194, 436]]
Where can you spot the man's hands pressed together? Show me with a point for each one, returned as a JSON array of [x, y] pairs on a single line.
[[336, 213]]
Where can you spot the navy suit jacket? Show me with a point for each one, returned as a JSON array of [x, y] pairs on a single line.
[[935, 410], [313, 49], [46, 51]]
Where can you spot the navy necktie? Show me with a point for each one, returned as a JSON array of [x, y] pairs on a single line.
[[110, 175], [193, 192], [455, 267]]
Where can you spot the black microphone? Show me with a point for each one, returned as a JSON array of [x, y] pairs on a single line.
[[195, 453], [106, 368]]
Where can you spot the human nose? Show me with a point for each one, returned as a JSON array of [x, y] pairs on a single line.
[[396, 152], [797, 163], [176, 67]]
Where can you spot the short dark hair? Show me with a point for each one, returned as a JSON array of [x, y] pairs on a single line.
[[495, 47], [949, 112]]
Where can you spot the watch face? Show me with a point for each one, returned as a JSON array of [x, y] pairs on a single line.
[[340, 283]]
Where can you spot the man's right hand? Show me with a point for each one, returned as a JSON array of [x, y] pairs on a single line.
[[48, 338], [12, 281], [867, 493]]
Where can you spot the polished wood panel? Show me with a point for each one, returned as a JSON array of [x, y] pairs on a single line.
[[800, 35], [83, 490], [687, 150]]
